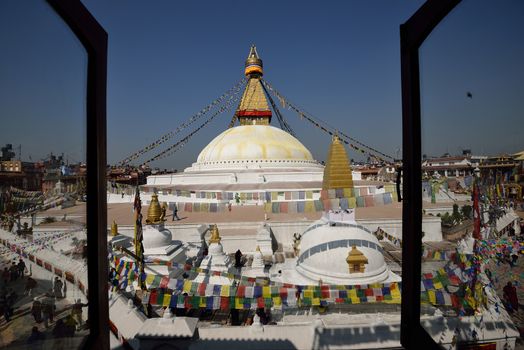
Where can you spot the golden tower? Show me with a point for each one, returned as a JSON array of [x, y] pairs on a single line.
[[356, 260], [154, 212], [253, 108], [337, 172], [114, 229]]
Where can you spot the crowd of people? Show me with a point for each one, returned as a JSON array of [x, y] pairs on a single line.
[[43, 310]]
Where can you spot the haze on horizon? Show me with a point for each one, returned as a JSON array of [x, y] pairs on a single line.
[[339, 61]]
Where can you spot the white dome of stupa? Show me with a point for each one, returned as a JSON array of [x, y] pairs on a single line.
[[156, 236], [324, 249], [264, 145]]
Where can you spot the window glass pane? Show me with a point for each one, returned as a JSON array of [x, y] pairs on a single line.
[[472, 99], [43, 292]]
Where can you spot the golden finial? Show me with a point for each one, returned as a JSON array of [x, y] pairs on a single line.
[[356, 260], [215, 237], [253, 63], [258, 248], [154, 213], [114, 229]]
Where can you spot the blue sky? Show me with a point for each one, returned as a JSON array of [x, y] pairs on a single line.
[[340, 61]]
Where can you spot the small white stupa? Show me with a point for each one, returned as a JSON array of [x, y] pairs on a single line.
[[257, 266], [158, 241], [216, 260]]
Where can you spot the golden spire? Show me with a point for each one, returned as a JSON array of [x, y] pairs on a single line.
[[253, 108], [337, 172], [356, 260], [154, 212], [258, 248], [215, 237], [114, 229]]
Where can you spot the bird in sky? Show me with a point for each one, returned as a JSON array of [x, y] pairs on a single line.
[[469, 94]]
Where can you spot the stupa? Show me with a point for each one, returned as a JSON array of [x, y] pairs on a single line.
[[251, 157], [215, 261], [336, 249], [158, 241]]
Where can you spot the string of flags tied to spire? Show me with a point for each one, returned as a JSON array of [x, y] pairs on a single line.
[[224, 103], [283, 123], [324, 126], [233, 99], [225, 96]]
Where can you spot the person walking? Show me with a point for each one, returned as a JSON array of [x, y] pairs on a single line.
[[29, 285], [8, 300], [48, 309], [4, 310], [36, 310], [59, 332], [58, 287], [21, 268], [6, 276], [70, 326], [76, 311], [175, 213], [13, 270], [510, 295], [36, 338]]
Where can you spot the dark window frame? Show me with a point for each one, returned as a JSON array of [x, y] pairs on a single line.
[[94, 39], [412, 34]]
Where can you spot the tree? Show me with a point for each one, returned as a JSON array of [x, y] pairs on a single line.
[[456, 216], [447, 220], [467, 211]]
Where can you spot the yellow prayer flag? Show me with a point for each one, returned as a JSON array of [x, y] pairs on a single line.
[[224, 291], [266, 292], [149, 279], [167, 300], [308, 293], [355, 300], [315, 302], [438, 285], [277, 301], [395, 293], [432, 297], [187, 286], [310, 206], [202, 302], [239, 303], [352, 293]]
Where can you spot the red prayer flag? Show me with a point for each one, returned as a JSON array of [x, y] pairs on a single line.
[[153, 297], [260, 302], [202, 289], [224, 303]]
